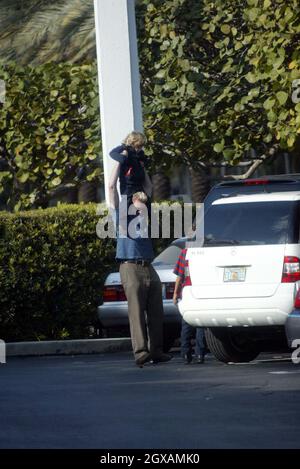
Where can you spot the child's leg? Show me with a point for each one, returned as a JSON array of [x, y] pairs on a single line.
[[186, 336], [200, 342]]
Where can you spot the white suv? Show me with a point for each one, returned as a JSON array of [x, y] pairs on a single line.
[[242, 281]]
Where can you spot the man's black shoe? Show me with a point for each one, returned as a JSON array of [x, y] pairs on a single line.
[[188, 358], [146, 357], [163, 357], [200, 359]]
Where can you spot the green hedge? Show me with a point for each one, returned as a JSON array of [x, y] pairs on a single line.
[[52, 268]]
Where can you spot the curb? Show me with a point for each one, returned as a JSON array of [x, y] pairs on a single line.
[[67, 347]]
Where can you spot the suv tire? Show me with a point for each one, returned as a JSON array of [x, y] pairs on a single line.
[[223, 345]]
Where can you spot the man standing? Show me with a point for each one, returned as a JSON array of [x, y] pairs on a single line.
[[142, 287]]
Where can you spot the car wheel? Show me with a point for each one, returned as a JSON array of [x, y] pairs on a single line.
[[228, 346]]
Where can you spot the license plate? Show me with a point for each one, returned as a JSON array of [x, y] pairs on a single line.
[[234, 274]]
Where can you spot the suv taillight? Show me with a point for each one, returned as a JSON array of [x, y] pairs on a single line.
[[170, 287], [297, 300], [113, 293], [291, 269], [255, 182], [187, 279]]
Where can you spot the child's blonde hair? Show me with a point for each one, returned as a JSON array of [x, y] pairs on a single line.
[[135, 138], [140, 196]]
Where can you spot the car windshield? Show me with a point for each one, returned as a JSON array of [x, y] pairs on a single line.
[[169, 256], [274, 222]]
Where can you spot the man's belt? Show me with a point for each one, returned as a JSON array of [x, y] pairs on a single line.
[[142, 262]]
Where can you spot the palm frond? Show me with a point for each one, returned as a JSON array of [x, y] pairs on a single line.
[[34, 31]]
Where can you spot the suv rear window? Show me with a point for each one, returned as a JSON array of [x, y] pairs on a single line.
[[252, 223]]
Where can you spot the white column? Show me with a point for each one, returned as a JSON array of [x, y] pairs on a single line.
[[118, 74]]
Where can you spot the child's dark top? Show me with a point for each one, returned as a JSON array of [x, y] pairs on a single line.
[[132, 174]]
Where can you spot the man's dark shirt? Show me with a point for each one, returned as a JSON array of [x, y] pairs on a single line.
[[136, 247], [139, 248]]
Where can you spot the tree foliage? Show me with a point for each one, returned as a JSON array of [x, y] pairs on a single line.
[[217, 81], [218, 76], [49, 128]]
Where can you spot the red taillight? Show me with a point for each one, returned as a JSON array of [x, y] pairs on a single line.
[[170, 287], [187, 279], [114, 293], [255, 182], [297, 300], [291, 269]]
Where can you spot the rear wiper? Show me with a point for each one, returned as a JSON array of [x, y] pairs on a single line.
[[232, 242]]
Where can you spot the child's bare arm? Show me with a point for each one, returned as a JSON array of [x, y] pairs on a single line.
[[177, 290], [113, 193]]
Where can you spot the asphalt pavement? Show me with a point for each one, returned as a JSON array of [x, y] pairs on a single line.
[[105, 401]]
